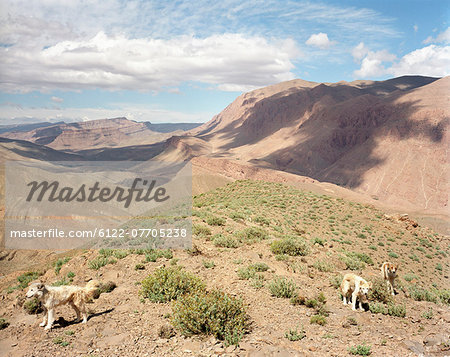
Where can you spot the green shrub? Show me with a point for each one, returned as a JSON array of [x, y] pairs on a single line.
[[208, 264], [323, 265], [318, 319], [294, 335], [33, 306], [200, 230], [396, 310], [225, 241], [262, 221], [421, 294], [99, 262], [291, 246], [377, 308], [27, 278], [379, 291], [282, 288], [211, 313], [258, 281], [318, 241], [167, 284], [216, 221], [236, 216], [152, 255], [3, 324], [313, 303], [352, 263], [60, 341], [393, 255], [444, 295], [362, 257], [59, 263], [251, 235], [360, 350], [259, 267]]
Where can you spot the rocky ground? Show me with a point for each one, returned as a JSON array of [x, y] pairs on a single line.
[[122, 323]]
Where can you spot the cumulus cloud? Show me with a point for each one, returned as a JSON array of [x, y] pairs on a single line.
[[371, 61], [319, 40], [443, 37], [431, 61], [119, 62]]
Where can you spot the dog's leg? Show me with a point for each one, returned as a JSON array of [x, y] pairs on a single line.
[[344, 299], [77, 310], [360, 305], [50, 319], [84, 313], [44, 321], [354, 297]]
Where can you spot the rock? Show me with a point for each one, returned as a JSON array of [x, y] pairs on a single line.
[[434, 339]]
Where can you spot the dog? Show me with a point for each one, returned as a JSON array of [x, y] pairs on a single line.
[[53, 296], [389, 273], [354, 287]]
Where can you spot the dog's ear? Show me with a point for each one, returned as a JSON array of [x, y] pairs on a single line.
[[40, 286]]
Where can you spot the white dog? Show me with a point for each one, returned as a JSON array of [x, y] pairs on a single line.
[[355, 287], [53, 296]]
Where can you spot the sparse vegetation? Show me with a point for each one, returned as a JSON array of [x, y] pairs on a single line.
[[290, 246], [360, 350], [379, 291], [211, 313], [318, 319], [24, 280], [282, 287], [167, 284], [59, 263], [295, 335], [32, 306], [323, 265]]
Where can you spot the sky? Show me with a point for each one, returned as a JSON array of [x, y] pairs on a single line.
[[185, 61]]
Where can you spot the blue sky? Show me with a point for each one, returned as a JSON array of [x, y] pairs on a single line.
[[185, 61]]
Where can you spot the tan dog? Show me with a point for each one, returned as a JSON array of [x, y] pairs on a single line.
[[53, 296], [354, 287], [389, 273]]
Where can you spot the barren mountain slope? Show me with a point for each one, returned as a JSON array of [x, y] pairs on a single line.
[[386, 139]]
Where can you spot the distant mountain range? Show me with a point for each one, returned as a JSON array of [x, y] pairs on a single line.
[[388, 139]]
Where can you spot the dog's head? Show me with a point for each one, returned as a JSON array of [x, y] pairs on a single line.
[[364, 288], [392, 269], [36, 290]]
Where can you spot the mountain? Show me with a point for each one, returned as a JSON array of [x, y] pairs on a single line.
[[387, 139], [100, 133]]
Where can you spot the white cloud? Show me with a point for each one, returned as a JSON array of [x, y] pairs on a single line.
[[443, 37], [371, 62], [119, 62], [319, 40], [432, 61], [57, 99], [360, 51]]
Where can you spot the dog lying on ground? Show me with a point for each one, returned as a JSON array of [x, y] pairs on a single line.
[[53, 296], [354, 287], [389, 273]]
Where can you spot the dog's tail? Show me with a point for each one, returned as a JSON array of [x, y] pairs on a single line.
[[91, 290]]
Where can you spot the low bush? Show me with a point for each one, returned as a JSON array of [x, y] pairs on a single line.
[[167, 284], [318, 319], [360, 350], [282, 288], [211, 313], [225, 241], [379, 291], [291, 246], [295, 335], [216, 221], [252, 235], [33, 306]]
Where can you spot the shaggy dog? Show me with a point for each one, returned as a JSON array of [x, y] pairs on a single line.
[[53, 296], [354, 287]]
